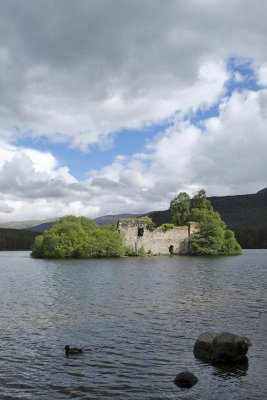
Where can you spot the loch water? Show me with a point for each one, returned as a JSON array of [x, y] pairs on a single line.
[[138, 319]]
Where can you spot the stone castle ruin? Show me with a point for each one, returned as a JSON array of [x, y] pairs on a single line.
[[158, 241]]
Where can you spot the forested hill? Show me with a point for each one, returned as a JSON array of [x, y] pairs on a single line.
[[243, 210], [16, 239], [245, 214], [236, 211]]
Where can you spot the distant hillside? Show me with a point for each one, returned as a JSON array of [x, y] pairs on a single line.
[[42, 225], [236, 211], [25, 224], [105, 219], [245, 214], [108, 219], [243, 210], [41, 228], [16, 239], [160, 217]]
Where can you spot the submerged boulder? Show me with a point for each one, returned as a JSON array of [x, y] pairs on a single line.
[[185, 379], [221, 348]]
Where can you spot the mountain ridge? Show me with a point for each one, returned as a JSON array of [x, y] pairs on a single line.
[[236, 210], [25, 224]]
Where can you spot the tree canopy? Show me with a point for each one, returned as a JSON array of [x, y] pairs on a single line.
[[212, 238], [78, 237], [180, 208]]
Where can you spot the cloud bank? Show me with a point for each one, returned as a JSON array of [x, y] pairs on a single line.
[[80, 72]]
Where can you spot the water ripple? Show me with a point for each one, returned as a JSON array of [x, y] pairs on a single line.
[[138, 320]]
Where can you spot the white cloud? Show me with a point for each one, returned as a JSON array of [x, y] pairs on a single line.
[[226, 157], [87, 69], [262, 74], [32, 183], [83, 121], [239, 77]]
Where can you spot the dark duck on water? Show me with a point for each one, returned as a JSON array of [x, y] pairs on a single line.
[[73, 350]]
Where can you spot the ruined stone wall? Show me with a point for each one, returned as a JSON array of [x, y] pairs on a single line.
[[157, 241]]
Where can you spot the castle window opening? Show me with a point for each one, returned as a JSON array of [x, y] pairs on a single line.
[[140, 231]]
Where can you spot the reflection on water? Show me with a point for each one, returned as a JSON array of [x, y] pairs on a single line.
[[138, 319], [229, 371]]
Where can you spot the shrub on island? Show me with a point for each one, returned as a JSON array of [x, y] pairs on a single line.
[[150, 225], [166, 227]]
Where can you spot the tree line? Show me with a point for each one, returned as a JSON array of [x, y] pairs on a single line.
[[16, 239], [251, 237]]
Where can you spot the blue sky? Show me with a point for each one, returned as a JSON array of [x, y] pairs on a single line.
[[80, 161], [130, 142], [110, 107]]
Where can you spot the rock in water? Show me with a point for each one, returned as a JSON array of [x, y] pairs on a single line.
[[221, 348], [202, 348], [185, 379], [247, 340], [228, 348]]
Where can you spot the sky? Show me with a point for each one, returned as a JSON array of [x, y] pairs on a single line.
[[114, 106]]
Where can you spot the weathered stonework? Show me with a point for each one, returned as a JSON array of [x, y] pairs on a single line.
[[156, 242]]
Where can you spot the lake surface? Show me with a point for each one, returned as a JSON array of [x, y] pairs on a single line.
[[138, 319]]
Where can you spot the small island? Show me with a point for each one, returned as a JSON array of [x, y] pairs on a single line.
[[196, 230]]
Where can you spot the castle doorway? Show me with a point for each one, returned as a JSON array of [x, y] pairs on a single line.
[[171, 249]]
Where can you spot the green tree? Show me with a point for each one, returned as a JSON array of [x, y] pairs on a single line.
[[212, 237], [112, 226], [78, 237], [150, 225], [200, 201], [37, 247], [180, 208], [230, 245]]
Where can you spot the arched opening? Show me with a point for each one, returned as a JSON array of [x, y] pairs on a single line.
[[171, 249]]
